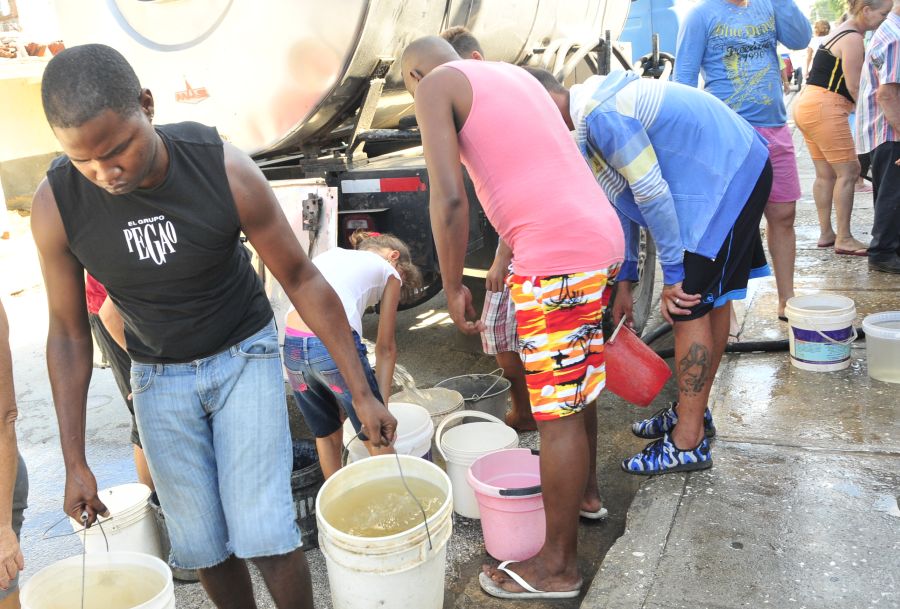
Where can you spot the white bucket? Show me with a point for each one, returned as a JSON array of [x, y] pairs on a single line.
[[821, 331], [415, 429], [131, 526], [463, 444], [114, 580], [883, 345], [394, 572]]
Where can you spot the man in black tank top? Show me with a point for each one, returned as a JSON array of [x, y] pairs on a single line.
[[155, 214]]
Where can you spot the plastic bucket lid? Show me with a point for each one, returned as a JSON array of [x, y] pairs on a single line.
[[883, 325]]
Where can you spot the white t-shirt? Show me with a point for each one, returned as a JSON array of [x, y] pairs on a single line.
[[358, 277], [816, 41]]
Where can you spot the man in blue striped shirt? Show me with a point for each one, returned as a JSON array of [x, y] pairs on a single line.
[[679, 162], [878, 132]]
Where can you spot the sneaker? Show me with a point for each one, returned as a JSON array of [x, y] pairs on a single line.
[[663, 457], [664, 421]]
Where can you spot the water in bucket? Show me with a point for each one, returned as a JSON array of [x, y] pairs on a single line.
[[112, 588], [883, 346], [114, 580], [401, 571], [384, 507]]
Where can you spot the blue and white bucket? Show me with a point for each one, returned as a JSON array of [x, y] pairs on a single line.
[[821, 331]]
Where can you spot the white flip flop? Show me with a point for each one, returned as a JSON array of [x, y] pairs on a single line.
[[600, 514], [494, 589]]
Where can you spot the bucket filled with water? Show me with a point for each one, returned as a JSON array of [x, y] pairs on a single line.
[[507, 484], [821, 331], [114, 580], [462, 445], [131, 526], [483, 392], [883, 346], [415, 430], [634, 372], [384, 523]]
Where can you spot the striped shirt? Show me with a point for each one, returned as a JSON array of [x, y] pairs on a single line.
[[670, 158], [882, 66]]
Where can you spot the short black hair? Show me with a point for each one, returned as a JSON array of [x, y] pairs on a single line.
[[545, 78], [462, 40], [83, 81]]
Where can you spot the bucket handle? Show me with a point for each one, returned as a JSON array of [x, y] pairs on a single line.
[[494, 373], [615, 333], [459, 414], [520, 492], [46, 536], [847, 341]]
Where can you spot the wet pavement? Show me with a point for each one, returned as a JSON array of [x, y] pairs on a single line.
[[800, 509]]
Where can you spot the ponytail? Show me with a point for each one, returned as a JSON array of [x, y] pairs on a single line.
[[410, 275]]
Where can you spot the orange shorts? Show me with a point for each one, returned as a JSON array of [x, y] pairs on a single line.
[[561, 339], [823, 117]]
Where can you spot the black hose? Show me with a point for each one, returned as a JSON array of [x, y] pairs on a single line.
[[656, 333]]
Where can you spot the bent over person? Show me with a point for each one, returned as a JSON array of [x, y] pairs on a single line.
[[155, 214], [702, 205], [544, 203]]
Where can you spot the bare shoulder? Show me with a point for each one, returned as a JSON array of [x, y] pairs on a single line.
[[46, 223], [442, 83]]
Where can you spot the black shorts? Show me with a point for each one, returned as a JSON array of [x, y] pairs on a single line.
[[120, 363], [740, 258]]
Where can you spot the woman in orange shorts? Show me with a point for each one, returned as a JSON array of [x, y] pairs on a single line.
[[822, 113]]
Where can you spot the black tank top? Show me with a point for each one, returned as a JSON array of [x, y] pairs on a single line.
[[169, 256], [827, 71]]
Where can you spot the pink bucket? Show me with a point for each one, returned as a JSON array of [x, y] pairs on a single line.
[[507, 485]]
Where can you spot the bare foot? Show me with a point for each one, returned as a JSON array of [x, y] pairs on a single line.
[[537, 575], [521, 423], [850, 246], [591, 504], [826, 239]]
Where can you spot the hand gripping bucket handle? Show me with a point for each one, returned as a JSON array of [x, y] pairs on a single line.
[[460, 414]]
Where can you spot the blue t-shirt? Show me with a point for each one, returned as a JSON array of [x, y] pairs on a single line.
[[734, 47]]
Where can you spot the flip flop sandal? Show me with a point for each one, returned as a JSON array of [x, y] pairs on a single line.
[[863, 251], [530, 592], [600, 514]]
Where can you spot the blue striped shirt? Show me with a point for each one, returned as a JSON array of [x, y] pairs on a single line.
[[670, 158], [882, 66]]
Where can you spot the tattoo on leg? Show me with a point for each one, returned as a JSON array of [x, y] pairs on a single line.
[[693, 369]]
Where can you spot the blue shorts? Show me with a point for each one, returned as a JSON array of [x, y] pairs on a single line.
[[320, 389], [216, 436]]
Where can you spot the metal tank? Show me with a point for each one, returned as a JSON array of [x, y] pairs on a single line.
[[284, 75]]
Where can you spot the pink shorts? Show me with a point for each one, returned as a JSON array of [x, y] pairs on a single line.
[[785, 179]]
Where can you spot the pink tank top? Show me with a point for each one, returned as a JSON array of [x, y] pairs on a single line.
[[534, 185]]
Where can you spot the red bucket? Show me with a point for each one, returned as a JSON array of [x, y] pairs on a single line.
[[634, 372]]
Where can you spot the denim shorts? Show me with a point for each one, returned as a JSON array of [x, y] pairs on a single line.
[[216, 436], [320, 389]]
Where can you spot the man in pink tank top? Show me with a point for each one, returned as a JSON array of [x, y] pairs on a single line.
[[567, 243]]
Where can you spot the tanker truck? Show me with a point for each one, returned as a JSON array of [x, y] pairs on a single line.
[[312, 90]]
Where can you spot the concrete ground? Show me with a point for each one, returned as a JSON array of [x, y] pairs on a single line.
[[800, 509]]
